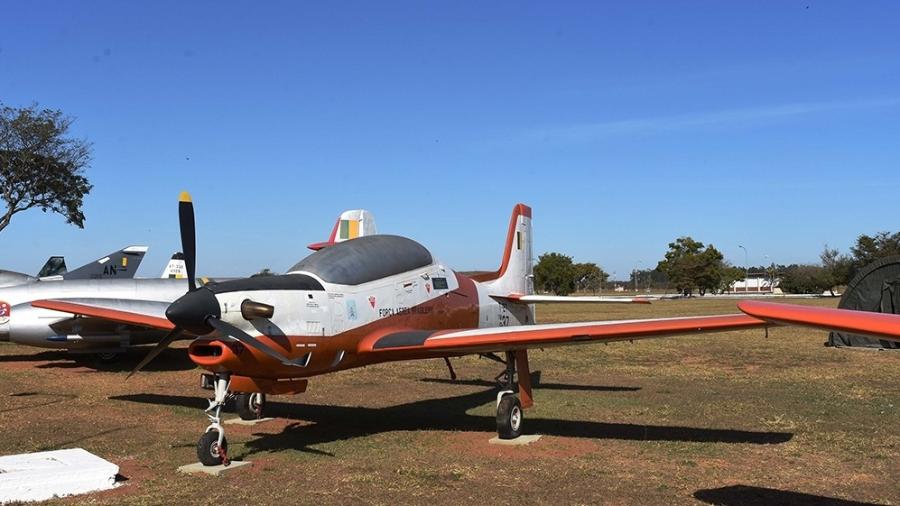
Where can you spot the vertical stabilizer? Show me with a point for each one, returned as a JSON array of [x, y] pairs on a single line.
[[122, 264], [176, 268], [515, 275], [349, 225], [55, 266]]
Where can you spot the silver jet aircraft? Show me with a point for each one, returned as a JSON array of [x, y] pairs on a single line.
[[119, 265]]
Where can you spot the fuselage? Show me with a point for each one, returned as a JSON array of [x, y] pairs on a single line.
[[325, 308]]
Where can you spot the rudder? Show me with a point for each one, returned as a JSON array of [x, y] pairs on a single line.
[[515, 275]]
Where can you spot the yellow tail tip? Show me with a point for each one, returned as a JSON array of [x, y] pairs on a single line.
[[184, 197]]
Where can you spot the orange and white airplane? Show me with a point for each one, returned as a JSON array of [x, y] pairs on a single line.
[[376, 298]]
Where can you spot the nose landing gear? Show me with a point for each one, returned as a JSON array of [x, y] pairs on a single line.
[[212, 449]]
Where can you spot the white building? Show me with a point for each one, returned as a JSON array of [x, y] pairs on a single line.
[[755, 285]]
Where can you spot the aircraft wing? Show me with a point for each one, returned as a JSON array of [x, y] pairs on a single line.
[[539, 336], [879, 325], [539, 299], [151, 314]]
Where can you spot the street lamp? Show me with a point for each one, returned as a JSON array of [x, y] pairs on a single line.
[[746, 269]]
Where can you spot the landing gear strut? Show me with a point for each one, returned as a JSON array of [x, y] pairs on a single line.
[[514, 395], [212, 449]]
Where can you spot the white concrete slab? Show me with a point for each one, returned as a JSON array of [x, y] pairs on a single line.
[[197, 467], [241, 421], [519, 441], [58, 473]]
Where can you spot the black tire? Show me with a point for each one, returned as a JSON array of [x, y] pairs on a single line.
[[208, 448], [250, 406], [509, 417], [108, 358]]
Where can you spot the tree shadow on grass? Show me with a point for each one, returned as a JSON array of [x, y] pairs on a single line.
[[338, 423], [746, 494]]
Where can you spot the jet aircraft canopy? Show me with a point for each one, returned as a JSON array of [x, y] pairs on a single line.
[[365, 259]]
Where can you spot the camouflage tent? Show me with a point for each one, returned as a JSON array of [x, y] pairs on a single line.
[[874, 288]]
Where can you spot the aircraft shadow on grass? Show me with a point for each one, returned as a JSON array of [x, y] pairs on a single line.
[[337, 423], [169, 360], [536, 383], [746, 494]]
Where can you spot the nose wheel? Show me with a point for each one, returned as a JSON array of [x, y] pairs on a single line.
[[212, 449]]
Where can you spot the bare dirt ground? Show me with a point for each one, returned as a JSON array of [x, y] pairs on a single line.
[[731, 418]]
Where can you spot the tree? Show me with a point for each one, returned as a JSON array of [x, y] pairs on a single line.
[[868, 249], [263, 273], [40, 166], [589, 276], [837, 268], [730, 274], [691, 266], [805, 279], [709, 270], [555, 273]]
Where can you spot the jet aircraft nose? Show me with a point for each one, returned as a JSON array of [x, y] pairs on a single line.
[[193, 309]]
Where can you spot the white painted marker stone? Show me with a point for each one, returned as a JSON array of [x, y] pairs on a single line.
[[59, 473]]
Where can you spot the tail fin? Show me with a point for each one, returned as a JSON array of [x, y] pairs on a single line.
[[176, 268], [55, 266], [515, 275], [119, 265], [349, 225]]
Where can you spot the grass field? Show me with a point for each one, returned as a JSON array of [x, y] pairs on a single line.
[[731, 418]]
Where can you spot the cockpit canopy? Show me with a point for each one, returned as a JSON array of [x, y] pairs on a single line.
[[365, 259]]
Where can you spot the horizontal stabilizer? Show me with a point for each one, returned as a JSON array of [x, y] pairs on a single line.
[[539, 299]]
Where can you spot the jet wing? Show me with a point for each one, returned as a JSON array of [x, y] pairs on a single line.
[[539, 299], [538, 336], [879, 325], [151, 314]]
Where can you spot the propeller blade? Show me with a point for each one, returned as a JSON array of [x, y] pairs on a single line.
[[188, 237], [160, 346], [248, 340]]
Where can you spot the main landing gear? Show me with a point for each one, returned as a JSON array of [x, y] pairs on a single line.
[[250, 406], [514, 395], [212, 449]]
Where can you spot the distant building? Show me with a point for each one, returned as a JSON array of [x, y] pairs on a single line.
[[755, 285]]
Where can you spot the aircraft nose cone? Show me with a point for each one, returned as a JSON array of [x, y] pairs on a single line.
[[192, 309]]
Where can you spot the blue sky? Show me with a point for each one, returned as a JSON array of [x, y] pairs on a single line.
[[624, 125]]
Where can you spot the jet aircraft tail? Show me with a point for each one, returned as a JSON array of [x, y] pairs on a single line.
[[515, 275], [349, 225], [122, 264], [55, 266], [176, 268]]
